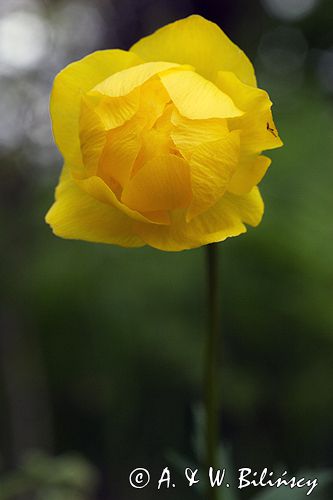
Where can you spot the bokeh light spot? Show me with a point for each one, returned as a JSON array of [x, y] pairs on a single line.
[[23, 40], [283, 50], [290, 10]]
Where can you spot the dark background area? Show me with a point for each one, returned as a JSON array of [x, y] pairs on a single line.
[[101, 347]]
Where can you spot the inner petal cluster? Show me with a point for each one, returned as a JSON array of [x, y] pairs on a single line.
[[127, 142], [161, 138]]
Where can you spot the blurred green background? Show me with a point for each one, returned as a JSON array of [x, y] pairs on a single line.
[[101, 347]]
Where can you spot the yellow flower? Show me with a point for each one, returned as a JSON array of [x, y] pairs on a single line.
[[162, 144]]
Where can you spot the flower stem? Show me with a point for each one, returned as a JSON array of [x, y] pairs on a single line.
[[211, 366]]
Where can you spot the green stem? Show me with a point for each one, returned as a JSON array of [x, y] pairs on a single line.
[[211, 366]]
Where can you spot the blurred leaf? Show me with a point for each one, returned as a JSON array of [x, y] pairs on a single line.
[[199, 430], [48, 478], [226, 462]]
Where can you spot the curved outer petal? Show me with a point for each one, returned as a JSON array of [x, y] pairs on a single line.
[[69, 86], [250, 171], [258, 131], [92, 136], [198, 42], [76, 215], [225, 219]]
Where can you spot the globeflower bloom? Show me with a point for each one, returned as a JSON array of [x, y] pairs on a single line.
[[162, 144]]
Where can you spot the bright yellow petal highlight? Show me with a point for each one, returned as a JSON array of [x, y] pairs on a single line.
[[197, 42], [258, 131], [249, 173], [76, 215], [161, 184], [69, 86], [212, 165], [197, 98], [225, 219]]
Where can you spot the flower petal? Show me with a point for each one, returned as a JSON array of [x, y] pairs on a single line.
[[115, 111], [198, 98], [98, 189], [258, 131], [92, 140], [212, 165], [69, 86], [76, 215], [248, 207], [163, 183], [122, 147], [153, 100], [187, 133], [121, 84], [225, 219], [198, 42], [249, 172]]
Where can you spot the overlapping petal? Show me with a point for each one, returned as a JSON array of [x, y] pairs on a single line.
[[197, 98]]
